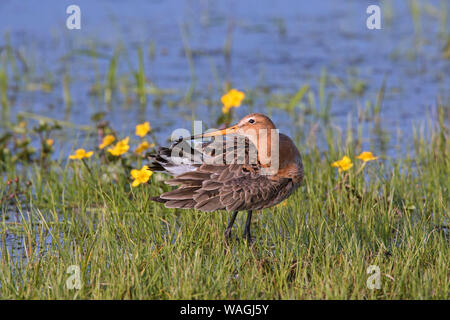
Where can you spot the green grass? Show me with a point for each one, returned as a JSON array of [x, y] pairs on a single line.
[[316, 246]]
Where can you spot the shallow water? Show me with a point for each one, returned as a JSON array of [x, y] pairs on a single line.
[[276, 48]]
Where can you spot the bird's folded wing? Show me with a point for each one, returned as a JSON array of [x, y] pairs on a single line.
[[233, 188], [220, 176]]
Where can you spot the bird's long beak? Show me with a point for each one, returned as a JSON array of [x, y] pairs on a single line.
[[223, 132]]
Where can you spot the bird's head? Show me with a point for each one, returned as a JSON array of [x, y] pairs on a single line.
[[258, 129], [252, 125]]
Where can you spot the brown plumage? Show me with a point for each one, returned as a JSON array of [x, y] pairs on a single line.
[[252, 169]]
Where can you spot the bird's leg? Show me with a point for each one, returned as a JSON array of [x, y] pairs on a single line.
[[230, 225], [247, 226]]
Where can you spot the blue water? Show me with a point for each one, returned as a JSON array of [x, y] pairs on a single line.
[[278, 45]]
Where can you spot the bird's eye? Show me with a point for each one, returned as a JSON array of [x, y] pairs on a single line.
[[251, 121]]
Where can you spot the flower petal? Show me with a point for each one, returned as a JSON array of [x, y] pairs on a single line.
[[134, 173], [135, 183]]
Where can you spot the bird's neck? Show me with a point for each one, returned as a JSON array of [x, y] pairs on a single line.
[[280, 157], [266, 142]]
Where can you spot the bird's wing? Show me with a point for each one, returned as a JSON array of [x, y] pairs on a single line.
[[234, 187], [177, 159], [182, 157]]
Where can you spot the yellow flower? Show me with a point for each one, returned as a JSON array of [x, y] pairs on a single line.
[[344, 164], [120, 148], [49, 142], [81, 154], [107, 140], [142, 129], [367, 156], [232, 99], [141, 176], [144, 146], [282, 204]]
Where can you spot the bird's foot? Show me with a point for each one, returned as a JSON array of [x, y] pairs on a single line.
[[245, 237], [227, 236], [248, 238]]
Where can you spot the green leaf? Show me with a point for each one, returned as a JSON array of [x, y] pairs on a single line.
[[297, 97]]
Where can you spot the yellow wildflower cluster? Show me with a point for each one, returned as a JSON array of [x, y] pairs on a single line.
[[144, 145], [366, 156], [81, 154], [49, 142], [232, 99], [141, 176], [346, 163], [107, 140], [142, 129], [120, 148]]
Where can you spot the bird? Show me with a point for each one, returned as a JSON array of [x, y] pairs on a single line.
[[247, 167]]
